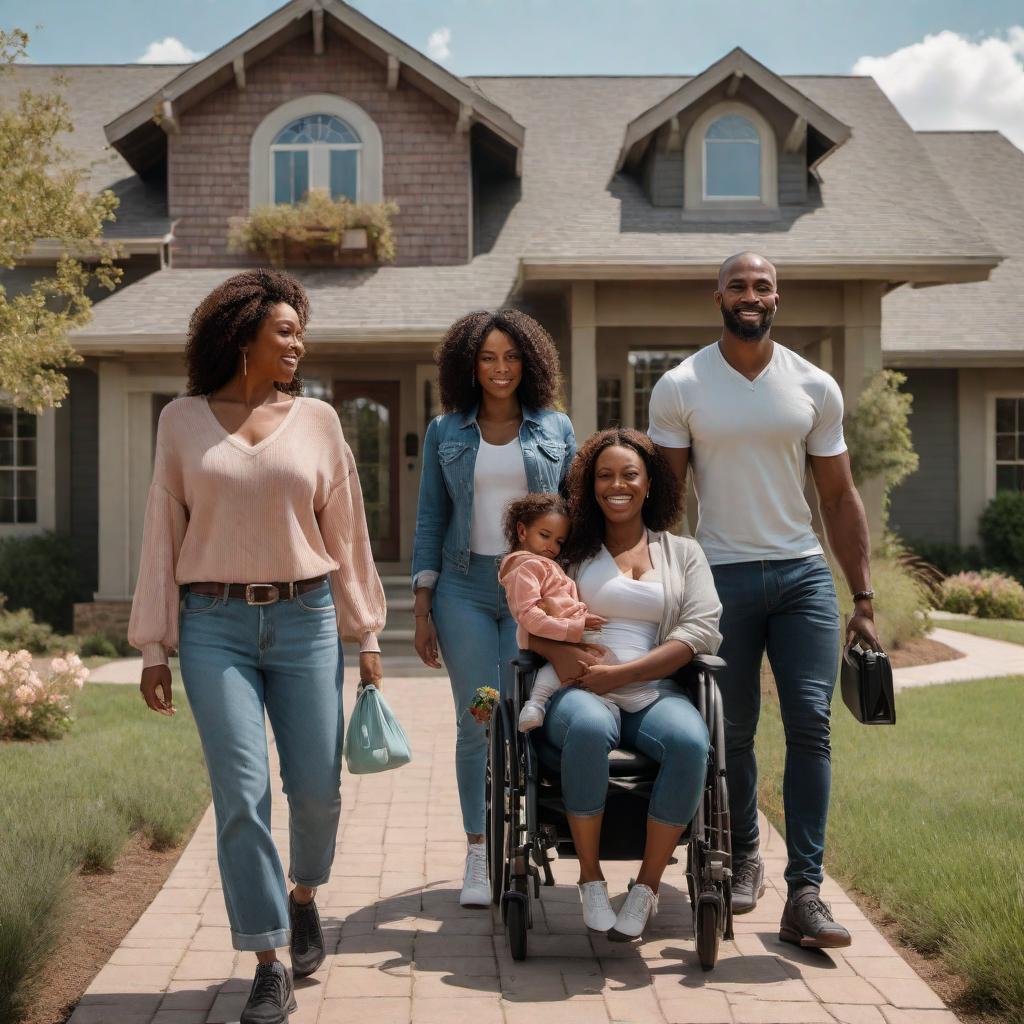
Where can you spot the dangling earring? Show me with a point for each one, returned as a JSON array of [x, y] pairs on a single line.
[[647, 495], [245, 365]]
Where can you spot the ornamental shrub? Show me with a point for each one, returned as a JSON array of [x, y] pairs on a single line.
[[1002, 532], [32, 707], [989, 595], [39, 573], [20, 629]]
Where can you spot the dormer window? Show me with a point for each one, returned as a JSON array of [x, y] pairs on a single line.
[[730, 162], [316, 142], [318, 151], [732, 159]]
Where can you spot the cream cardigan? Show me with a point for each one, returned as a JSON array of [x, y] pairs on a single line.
[[288, 508]]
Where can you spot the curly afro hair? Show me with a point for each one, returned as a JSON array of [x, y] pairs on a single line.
[[528, 510], [541, 385], [228, 319], [661, 510]]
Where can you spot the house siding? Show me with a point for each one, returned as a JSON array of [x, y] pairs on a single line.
[[83, 477], [792, 178], [663, 178], [926, 505], [426, 162]]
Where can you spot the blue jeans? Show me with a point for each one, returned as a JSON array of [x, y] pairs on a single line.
[[477, 637], [237, 661], [788, 608], [669, 731]]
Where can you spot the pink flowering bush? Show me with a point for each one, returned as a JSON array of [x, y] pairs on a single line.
[[989, 595], [32, 707]]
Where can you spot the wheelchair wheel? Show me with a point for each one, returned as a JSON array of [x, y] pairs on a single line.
[[497, 771], [705, 926], [517, 922]]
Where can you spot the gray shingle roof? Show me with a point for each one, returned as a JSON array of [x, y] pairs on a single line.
[[97, 93], [980, 320], [882, 200]]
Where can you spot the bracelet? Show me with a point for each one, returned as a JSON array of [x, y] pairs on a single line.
[[863, 595], [424, 615]]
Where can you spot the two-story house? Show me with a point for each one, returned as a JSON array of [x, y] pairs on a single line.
[[602, 205]]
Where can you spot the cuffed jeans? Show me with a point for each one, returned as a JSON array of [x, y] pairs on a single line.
[[477, 637], [788, 608], [669, 731], [237, 661]]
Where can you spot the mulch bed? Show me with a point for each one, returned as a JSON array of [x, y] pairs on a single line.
[[922, 652], [103, 909]]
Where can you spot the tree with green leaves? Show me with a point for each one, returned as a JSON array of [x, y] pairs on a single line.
[[42, 196], [878, 434]]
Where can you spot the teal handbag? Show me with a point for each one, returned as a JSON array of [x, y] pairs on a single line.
[[374, 742]]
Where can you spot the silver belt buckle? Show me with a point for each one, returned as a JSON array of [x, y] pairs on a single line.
[[271, 591]]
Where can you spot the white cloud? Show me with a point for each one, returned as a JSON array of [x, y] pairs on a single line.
[[439, 43], [948, 81], [168, 51]]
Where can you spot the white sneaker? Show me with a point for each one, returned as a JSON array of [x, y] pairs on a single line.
[[476, 889], [597, 910], [640, 906], [531, 717]]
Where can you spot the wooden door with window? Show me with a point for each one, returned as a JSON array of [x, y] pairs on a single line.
[[368, 411]]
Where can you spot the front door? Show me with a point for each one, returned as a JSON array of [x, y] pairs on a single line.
[[368, 411]]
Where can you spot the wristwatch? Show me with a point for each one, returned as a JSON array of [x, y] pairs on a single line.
[[863, 595]]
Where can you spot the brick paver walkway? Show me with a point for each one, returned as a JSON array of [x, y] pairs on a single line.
[[404, 951]]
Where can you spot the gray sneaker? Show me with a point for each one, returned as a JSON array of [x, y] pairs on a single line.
[[747, 884], [271, 997]]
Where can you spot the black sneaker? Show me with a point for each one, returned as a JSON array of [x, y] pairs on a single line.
[[307, 945], [271, 997], [747, 884], [808, 922]]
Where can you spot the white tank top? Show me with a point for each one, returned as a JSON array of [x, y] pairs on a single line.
[[634, 609], [499, 477]]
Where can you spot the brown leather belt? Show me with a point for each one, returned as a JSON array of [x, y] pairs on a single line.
[[258, 593]]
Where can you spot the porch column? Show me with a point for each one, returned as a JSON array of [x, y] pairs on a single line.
[[114, 497], [859, 360], [583, 317]]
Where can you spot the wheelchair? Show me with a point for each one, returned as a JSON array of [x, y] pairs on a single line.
[[526, 817]]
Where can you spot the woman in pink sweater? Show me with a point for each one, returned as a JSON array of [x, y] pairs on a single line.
[[255, 562]]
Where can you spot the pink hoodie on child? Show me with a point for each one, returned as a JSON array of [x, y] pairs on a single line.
[[529, 579]]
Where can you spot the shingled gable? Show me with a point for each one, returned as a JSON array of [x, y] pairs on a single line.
[[824, 132], [138, 134]]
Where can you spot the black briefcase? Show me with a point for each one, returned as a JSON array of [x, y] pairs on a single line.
[[866, 679]]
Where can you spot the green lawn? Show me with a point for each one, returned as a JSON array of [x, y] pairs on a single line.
[[928, 818], [73, 803], [1011, 630]]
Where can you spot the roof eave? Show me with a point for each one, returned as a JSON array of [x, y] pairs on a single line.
[[463, 98], [926, 269]]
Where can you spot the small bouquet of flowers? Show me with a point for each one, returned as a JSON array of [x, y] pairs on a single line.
[[483, 703]]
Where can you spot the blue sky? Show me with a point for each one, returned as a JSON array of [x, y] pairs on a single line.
[[945, 63]]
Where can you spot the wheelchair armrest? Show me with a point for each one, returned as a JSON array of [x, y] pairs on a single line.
[[528, 661], [710, 661]]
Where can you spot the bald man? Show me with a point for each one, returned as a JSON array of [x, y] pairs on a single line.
[[747, 414]]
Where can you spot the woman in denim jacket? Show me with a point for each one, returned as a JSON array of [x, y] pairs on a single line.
[[499, 439]]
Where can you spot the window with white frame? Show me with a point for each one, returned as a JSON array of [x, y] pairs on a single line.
[[18, 463], [732, 159], [1009, 444], [318, 151], [321, 141]]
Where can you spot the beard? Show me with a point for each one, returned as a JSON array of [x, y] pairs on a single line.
[[744, 330]]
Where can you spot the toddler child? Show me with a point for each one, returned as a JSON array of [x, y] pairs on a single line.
[[542, 598]]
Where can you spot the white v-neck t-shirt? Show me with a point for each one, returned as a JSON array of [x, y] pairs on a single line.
[[749, 442], [499, 477]]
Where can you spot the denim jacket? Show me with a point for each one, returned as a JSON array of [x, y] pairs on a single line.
[[445, 512]]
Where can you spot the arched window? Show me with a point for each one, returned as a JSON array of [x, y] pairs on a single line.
[[732, 159], [319, 141], [730, 163], [315, 151]]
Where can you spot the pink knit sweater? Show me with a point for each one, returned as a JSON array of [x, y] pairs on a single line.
[[288, 508], [531, 579]]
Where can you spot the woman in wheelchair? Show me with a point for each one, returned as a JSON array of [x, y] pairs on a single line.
[[657, 594]]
